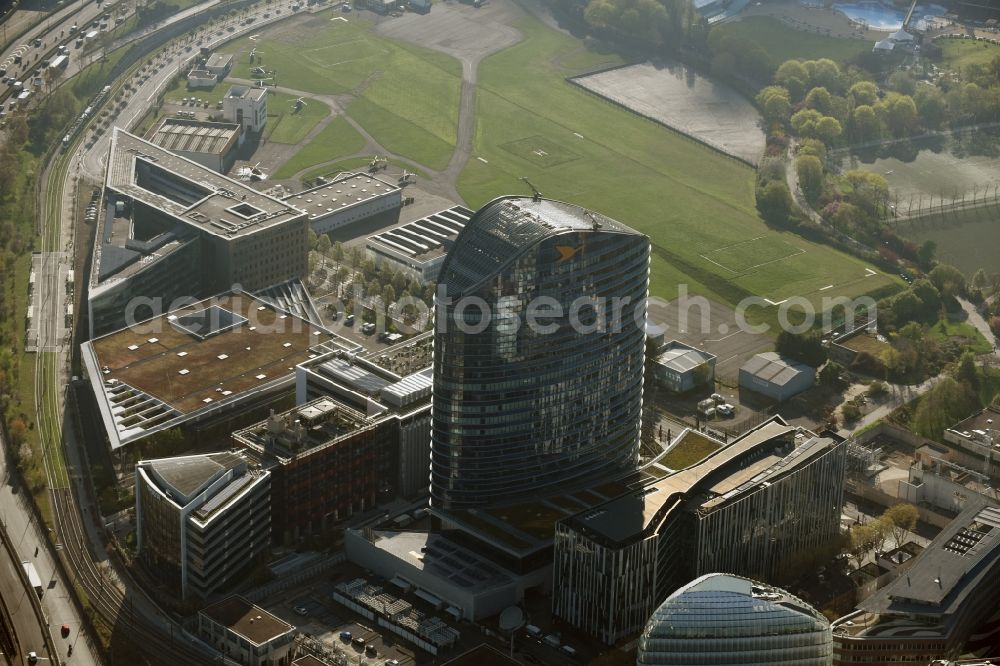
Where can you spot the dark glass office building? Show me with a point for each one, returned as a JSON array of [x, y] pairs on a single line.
[[538, 353]]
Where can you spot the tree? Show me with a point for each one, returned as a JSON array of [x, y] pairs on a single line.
[[810, 172], [775, 104], [901, 520], [862, 538], [312, 238], [804, 122], [979, 279], [900, 113], [775, 202], [323, 245], [931, 106], [813, 147], [819, 99], [967, 373], [791, 69], [831, 375], [388, 294], [803, 347], [825, 73], [881, 530], [828, 129], [949, 280], [865, 123], [863, 92], [925, 255], [947, 403], [902, 82]]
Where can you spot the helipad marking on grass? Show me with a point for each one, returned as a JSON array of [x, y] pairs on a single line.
[[253, 38], [770, 302], [870, 272], [483, 160], [577, 135], [339, 18], [829, 286]]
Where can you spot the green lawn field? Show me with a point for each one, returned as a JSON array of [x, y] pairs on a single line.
[[407, 97], [784, 43], [288, 125], [691, 201], [957, 53], [335, 140]]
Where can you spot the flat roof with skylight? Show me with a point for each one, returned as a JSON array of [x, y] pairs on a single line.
[[345, 190], [190, 192]]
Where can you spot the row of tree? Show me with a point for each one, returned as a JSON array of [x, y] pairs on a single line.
[[895, 524]]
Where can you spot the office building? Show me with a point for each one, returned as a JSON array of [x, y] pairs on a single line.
[[346, 199], [417, 249], [525, 401], [392, 388], [217, 360], [175, 229], [725, 619], [246, 107], [210, 144], [219, 64], [198, 79], [328, 462], [945, 605], [747, 508], [246, 633], [776, 377], [201, 521], [679, 367]]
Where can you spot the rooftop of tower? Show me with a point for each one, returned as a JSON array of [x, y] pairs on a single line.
[[505, 228]]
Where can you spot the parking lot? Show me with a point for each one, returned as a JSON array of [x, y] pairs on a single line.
[[316, 615]]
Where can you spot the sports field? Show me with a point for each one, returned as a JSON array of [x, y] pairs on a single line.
[[405, 96], [697, 206]]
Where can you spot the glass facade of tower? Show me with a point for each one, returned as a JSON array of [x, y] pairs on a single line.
[[538, 353], [721, 619]]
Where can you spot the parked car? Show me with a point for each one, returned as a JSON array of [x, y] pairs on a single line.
[[349, 320], [302, 610], [359, 642], [345, 636], [370, 650], [725, 409]]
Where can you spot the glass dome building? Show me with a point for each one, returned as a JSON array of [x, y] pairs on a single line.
[[719, 619], [538, 353]]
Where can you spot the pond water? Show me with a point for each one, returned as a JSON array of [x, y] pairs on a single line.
[[949, 166], [686, 101], [879, 16]]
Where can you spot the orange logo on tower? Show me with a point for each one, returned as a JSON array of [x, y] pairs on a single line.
[[567, 251]]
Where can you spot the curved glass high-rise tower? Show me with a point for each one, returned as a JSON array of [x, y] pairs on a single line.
[[538, 353]]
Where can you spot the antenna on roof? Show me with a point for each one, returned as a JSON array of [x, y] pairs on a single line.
[[536, 195]]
